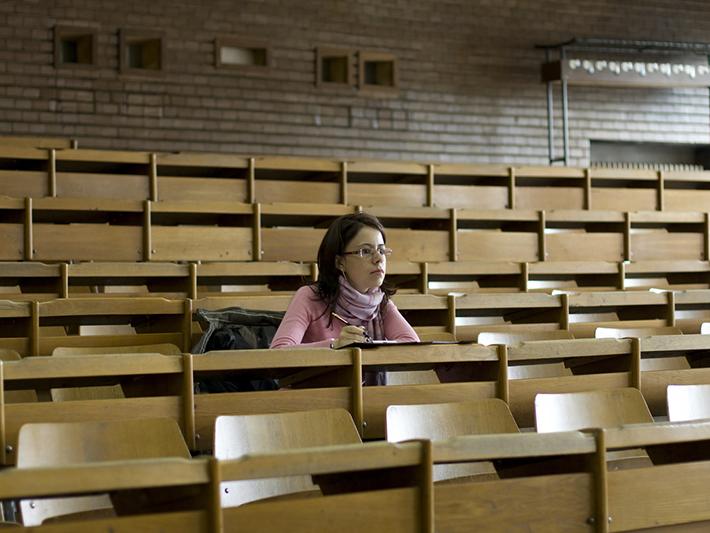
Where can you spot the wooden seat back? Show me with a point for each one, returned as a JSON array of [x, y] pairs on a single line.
[[438, 421], [16, 396], [516, 337], [598, 408], [621, 333], [444, 420], [163, 348], [238, 435], [510, 338], [415, 377], [58, 444], [102, 392], [688, 402], [657, 363]]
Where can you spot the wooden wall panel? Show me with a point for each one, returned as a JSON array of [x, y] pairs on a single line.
[[12, 244], [118, 187], [418, 245], [201, 189], [386, 194], [290, 244], [471, 196], [549, 198], [276, 191], [620, 199], [86, 242], [686, 200], [481, 245], [23, 184], [657, 245], [206, 243], [582, 246]]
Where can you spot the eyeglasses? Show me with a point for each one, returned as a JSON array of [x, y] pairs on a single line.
[[367, 252]]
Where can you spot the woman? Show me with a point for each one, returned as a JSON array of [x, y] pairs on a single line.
[[348, 303]]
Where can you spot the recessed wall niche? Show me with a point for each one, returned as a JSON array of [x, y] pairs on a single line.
[[74, 46], [378, 72], [141, 52], [242, 54], [334, 67]]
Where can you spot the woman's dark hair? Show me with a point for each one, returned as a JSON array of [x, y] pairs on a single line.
[[339, 234]]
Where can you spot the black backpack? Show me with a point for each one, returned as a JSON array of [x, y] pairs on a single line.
[[235, 328]]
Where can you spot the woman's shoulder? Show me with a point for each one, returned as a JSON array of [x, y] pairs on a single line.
[[390, 304], [307, 291], [307, 295]]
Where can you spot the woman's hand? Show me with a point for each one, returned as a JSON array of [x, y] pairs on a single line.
[[349, 335]]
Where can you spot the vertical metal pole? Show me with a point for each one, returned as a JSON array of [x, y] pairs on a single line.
[[565, 115], [550, 123]]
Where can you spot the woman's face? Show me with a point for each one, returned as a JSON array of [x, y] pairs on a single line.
[[366, 272]]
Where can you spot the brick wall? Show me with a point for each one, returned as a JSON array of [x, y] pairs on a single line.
[[469, 78]]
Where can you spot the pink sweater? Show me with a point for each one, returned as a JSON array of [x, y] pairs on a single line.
[[304, 326]]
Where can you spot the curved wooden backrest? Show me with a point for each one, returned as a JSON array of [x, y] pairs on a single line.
[[621, 333], [439, 421], [688, 402], [63, 443], [516, 337], [113, 329], [656, 363], [414, 377], [510, 338], [16, 396], [540, 370], [436, 336], [164, 348], [243, 434], [444, 420], [9, 355], [106, 392], [599, 408]]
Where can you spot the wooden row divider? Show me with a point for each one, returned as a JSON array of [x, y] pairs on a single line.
[[541, 240], [147, 232], [627, 236], [511, 188], [3, 430], [28, 231], [502, 388], [660, 190], [430, 186], [453, 235], [153, 177], [357, 406], [343, 179], [524, 276], [251, 185], [188, 399], [52, 172], [215, 515], [587, 189]]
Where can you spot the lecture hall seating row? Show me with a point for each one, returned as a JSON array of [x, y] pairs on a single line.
[[53, 171], [156, 385], [35, 328], [70, 229], [28, 280], [385, 487]]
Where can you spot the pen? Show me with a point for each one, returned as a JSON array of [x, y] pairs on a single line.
[[367, 336]]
